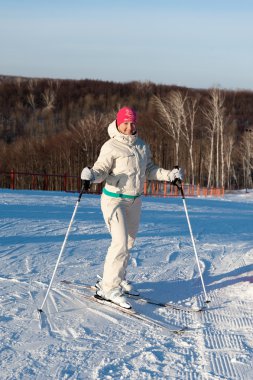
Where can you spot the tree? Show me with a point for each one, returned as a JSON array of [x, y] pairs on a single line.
[[228, 148], [246, 149], [90, 133], [188, 127], [214, 114], [171, 116]]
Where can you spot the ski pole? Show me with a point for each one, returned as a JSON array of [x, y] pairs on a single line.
[[85, 187], [178, 183]]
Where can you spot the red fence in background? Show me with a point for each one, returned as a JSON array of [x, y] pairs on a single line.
[[69, 183], [167, 190]]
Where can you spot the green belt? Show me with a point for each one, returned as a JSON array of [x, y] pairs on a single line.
[[117, 195]]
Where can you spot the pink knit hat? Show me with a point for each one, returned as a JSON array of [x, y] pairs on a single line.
[[126, 114]]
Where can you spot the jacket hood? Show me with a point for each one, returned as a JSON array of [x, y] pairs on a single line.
[[114, 133], [113, 130]]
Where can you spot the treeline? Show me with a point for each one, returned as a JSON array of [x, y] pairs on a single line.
[[58, 126]]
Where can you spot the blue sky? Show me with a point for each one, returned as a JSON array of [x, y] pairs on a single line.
[[192, 43]]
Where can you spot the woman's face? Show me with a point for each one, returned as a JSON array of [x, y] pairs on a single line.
[[127, 128]]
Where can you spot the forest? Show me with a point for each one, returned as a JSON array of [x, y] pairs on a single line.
[[57, 126]]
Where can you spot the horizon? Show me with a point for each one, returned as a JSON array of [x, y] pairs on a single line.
[[126, 82]]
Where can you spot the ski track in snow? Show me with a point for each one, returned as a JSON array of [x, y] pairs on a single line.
[[74, 339]]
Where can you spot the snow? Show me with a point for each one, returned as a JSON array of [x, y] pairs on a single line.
[[77, 339]]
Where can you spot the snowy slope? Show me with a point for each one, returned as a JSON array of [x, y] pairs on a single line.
[[76, 339]]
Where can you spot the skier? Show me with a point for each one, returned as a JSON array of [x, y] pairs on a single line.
[[124, 163]]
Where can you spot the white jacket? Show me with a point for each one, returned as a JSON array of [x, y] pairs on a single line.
[[125, 162]]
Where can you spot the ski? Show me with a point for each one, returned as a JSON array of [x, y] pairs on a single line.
[[129, 312], [173, 306], [133, 313], [142, 299]]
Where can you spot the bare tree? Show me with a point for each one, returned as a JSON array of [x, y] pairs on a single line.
[[171, 116], [90, 133], [188, 126], [221, 125], [48, 97], [31, 101], [246, 148], [215, 117], [32, 84], [228, 149]]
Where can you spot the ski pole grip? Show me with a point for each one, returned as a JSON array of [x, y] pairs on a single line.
[[85, 188], [86, 185], [178, 183]]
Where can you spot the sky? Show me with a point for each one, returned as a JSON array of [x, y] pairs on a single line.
[[192, 43]]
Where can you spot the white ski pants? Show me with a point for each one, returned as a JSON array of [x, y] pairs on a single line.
[[122, 217]]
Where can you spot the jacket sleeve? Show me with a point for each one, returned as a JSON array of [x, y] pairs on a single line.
[[153, 172], [103, 165]]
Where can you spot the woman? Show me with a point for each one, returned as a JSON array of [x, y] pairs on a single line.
[[124, 163]]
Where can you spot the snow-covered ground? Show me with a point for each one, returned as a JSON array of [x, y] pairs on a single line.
[[76, 339]]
